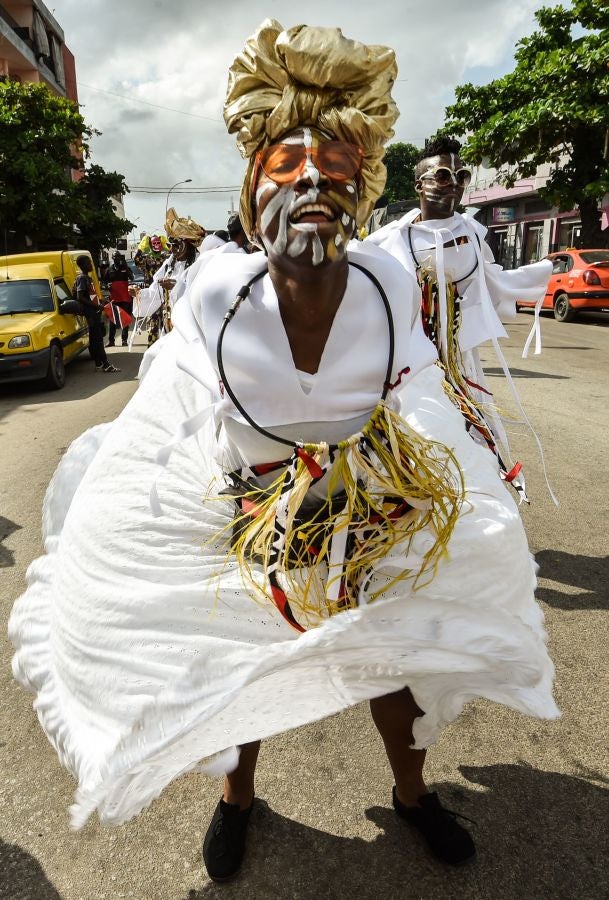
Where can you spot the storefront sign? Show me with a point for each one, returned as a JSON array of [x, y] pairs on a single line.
[[504, 214]]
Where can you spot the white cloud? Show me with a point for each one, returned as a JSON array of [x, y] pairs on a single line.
[[177, 55]]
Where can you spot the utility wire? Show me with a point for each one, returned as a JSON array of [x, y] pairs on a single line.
[[182, 112], [223, 190]]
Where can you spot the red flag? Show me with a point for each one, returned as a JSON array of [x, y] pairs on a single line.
[[118, 315]]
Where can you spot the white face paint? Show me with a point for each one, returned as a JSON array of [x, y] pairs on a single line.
[[444, 201], [280, 229]]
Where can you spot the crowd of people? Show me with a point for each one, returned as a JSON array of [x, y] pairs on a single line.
[[314, 481], [165, 263]]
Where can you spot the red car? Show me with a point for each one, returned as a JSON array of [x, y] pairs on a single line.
[[579, 280]]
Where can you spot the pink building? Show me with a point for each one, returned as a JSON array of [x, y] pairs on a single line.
[[32, 47], [522, 226]]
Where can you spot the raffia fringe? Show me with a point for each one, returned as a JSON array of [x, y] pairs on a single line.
[[386, 460]]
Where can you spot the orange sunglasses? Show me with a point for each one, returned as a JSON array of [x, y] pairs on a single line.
[[283, 163]]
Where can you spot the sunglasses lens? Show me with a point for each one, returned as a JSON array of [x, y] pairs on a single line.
[[443, 176], [338, 160], [463, 176], [283, 162]]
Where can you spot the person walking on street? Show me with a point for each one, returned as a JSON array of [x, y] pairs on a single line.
[[118, 277], [91, 310]]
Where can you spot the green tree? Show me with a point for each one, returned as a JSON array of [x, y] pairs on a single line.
[[553, 108], [400, 160], [95, 218], [43, 138]]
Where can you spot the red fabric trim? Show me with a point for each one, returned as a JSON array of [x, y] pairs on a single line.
[[281, 602], [314, 468], [265, 468], [249, 507], [509, 476], [398, 381], [478, 387]]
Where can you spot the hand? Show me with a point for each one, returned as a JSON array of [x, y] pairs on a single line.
[[167, 283]]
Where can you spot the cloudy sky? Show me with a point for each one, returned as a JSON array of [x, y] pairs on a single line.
[[152, 77]]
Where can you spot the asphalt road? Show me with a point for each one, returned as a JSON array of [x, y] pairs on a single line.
[[538, 791]]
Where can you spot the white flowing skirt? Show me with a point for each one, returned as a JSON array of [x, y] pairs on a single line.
[[149, 657]]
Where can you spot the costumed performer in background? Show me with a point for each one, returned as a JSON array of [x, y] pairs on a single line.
[[156, 302], [466, 295], [325, 532]]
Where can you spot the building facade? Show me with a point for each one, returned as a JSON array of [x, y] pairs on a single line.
[[32, 47], [523, 227]]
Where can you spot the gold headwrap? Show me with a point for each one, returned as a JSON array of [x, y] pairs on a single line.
[[186, 229], [312, 76]]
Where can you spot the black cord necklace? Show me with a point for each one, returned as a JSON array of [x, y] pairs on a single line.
[[243, 293]]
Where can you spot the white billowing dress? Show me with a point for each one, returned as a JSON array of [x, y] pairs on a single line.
[[147, 652]]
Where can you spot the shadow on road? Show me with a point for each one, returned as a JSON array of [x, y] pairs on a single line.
[[7, 558], [539, 834], [593, 316], [590, 574], [22, 877], [523, 373]]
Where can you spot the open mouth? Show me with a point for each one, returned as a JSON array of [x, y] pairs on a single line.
[[312, 212]]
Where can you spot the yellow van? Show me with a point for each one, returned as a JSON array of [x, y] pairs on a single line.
[[36, 339]]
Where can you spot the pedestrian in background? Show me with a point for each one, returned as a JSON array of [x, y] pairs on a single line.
[[118, 277], [84, 291]]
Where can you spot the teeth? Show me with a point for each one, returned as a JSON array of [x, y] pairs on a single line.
[[312, 208]]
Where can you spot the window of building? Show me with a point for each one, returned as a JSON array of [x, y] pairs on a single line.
[[569, 233], [533, 244]]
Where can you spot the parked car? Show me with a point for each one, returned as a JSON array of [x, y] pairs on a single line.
[[138, 275], [36, 338], [579, 280]]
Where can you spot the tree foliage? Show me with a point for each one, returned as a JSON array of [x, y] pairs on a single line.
[[553, 108], [400, 160], [42, 138], [95, 218]]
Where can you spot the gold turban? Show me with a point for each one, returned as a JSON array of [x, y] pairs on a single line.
[[186, 229], [312, 76]]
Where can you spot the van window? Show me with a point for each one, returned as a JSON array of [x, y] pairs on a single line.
[[26, 296], [63, 291]]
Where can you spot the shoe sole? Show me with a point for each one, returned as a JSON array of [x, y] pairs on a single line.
[[226, 878]]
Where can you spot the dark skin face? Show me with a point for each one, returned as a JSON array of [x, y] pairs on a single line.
[[304, 226], [437, 201], [180, 251]]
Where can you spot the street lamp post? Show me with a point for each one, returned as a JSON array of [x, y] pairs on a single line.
[[177, 184]]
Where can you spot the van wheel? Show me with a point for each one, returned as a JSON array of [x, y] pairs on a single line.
[[563, 311], [56, 373]]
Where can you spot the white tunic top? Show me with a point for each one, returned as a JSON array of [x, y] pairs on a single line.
[[488, 293], [336, 401]]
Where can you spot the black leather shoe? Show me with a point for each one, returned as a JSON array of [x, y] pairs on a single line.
[[224, 844], [446, 839]]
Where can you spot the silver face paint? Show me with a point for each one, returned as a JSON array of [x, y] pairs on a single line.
[[318, 250]]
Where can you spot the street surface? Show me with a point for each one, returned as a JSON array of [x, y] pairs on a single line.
[[538, 791]]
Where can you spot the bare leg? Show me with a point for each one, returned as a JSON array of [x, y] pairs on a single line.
[[239, 784], [394, 715]]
